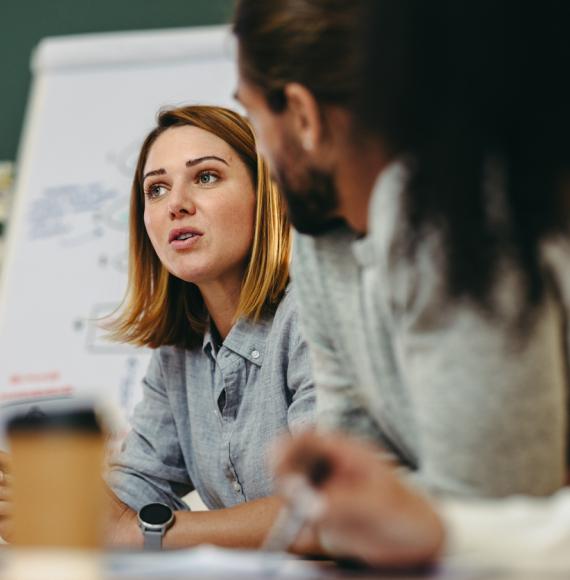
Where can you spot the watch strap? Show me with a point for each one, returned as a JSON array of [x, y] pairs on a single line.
[[152, 539]]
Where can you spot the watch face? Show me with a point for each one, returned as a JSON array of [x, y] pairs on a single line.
[[155, 514]]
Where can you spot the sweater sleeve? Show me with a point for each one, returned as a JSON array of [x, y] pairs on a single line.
[[487, 394], [532, 534], [489, 407]]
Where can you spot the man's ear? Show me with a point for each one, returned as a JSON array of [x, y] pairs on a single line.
[[305, 115]]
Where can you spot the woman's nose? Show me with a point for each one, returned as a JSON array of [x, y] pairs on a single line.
[[180, 203]]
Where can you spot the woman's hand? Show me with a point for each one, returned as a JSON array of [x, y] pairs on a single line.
[[122, 528], [5, 496], [368, 512]]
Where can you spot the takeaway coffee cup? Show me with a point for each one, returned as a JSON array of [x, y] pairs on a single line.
[[57, 466]]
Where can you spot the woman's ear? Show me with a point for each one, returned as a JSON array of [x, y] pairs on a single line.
[[305, 115]]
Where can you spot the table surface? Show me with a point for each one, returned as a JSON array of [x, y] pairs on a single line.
[[212, 563]]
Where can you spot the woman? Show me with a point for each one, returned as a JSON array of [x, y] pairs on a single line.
[[208, 276], [208, 291]]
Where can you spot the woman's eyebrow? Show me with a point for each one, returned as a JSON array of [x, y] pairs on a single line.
[[189, 163], [154, 172], [192, 162]]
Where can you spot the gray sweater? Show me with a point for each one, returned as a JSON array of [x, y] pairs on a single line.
[[452, 393]]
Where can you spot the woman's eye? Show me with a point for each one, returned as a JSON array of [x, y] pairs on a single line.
[[207, 178], [155, 190]]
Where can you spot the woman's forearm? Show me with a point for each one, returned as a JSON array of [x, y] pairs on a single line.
[[242, 526]]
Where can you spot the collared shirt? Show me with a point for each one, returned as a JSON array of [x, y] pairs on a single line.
[[208, 415]]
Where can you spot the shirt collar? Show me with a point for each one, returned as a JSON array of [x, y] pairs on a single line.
[[208, 340], [389, 184], [246, 338], [363, 251]]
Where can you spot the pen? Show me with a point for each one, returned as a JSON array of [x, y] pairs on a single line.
[[304, 503]]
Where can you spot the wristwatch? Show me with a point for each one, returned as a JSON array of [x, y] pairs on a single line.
[[154, 520]]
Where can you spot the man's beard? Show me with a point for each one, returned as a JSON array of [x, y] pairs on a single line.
[[312, 207]]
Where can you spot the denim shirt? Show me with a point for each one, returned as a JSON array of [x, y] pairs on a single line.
[[207, 417]]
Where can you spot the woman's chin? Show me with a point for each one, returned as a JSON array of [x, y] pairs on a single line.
[[196, 276], [207, 274], [193, 278]]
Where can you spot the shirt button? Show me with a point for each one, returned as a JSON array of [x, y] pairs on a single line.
[[237, 487], [255, 354]]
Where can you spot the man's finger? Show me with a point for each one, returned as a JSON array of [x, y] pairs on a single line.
[[6, 529]]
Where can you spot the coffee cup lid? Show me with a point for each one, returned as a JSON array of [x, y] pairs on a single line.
[[37, 419]]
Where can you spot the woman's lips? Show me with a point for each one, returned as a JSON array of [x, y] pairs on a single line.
[[182, 232], [178, 244], [184, 238]]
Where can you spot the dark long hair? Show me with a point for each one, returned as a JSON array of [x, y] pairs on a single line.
[[475, 93]]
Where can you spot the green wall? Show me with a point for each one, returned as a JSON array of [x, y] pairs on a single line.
[[24, 22]]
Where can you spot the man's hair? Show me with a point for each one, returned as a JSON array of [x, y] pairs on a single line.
[[159, 308], [311, 42], [476, 94]]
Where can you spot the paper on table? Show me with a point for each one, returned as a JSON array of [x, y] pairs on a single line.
[[208, 561]]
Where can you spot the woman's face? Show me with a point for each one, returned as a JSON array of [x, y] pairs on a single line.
[[199, 206]]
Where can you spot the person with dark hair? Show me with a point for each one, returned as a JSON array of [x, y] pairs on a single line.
[[452, 169], [427, 275]]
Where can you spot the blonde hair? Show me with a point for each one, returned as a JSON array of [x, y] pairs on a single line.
[[160, 309]]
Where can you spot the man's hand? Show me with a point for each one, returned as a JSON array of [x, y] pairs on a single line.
[[369, 513]]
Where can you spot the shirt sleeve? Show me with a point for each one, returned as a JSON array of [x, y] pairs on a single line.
[[150, 467], [521, 532]]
